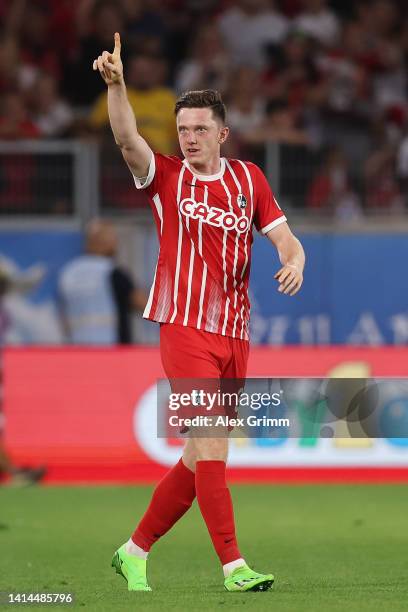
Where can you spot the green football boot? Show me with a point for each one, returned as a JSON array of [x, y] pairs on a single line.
[[132, 568], [244, 579]]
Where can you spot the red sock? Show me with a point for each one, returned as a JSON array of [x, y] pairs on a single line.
[[215, 503], [171, 499]]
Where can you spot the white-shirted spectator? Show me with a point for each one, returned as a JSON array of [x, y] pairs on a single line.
[[318, 22], [390, 83], [208, 67], [246, 106], [249, 27], [50, 114]]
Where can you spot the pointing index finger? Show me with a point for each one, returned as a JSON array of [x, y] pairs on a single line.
[[116, 50]]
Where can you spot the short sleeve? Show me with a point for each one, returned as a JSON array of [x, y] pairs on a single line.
[[159, 168], [268, 214], [142, 182]]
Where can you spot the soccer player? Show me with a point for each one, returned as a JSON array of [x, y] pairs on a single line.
[[204, 207]]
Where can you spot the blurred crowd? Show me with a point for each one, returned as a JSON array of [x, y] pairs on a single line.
[[327, 78]]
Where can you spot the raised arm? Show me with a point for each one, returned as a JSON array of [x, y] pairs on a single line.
[[135, 150]]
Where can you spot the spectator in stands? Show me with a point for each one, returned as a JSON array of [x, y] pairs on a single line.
[[9, 65], [390, 81], [381, 18], [30, 19], [380, 50], [249, 27], [15, 123], [208, 66], [98, 20], [246, 105], [347, 78], [50, 114], [145, 26], [404, 41], [341, 67], [151, 100], [382, 190], [292, 73], [377, 22], [280, 126], [319, 22], [97, 296], [63, 27], [36, 52], [16, 185], [331, 189]]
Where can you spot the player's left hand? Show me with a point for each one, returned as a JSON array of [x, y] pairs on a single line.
[[290, 279]]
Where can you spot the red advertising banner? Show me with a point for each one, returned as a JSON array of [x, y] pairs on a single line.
[[90, 416]]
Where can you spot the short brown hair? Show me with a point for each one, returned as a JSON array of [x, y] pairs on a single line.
[[204, 98]]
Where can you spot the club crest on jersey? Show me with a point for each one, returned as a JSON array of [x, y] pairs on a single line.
[[217, 217], [241, 200]]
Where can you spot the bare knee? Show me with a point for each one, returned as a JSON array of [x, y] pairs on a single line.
[[204, 449], [211, 449], [189, 455]]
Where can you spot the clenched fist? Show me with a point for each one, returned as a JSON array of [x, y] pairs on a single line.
[[110, 64]]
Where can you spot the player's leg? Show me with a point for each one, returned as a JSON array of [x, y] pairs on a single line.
[[209, 456], [171, 499], [189, 455], [214, 498], [238, 576], [212, 492], [173, 496], [216, 507]]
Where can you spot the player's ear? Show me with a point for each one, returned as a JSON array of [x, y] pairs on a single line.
[[223, 134]]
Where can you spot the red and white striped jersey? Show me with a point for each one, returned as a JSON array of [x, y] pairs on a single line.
[[204, 225]]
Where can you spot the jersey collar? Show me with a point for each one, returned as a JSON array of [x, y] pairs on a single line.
[[208, 177]]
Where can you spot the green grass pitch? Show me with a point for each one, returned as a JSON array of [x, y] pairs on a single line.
[[331, 548]]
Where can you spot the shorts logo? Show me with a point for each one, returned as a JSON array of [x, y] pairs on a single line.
[[214, 216], [241, 200]]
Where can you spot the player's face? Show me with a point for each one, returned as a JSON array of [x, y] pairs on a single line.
[[200, 135]]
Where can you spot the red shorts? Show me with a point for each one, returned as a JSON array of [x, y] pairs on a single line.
[[190, 353], [187, 352]]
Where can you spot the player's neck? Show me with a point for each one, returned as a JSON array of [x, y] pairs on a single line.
[[209, 168]]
